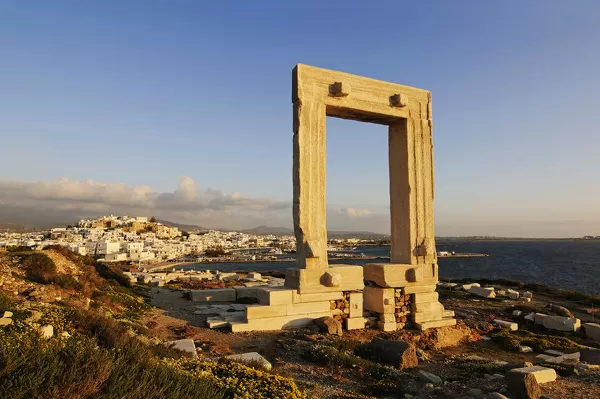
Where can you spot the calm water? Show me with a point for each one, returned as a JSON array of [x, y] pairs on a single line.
[[570, 264]]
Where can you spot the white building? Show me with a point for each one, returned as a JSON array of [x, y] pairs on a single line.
[[134, 249], [115, 257], [106, 247]]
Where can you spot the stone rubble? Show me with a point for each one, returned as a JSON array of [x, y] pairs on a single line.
[[432, 378], [487, 292], [592, 331], [47, 331], [506, 324]]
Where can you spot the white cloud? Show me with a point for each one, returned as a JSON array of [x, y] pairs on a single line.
[[354, 212], [187, 203]]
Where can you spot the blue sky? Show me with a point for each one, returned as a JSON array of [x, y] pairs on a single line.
[[135, 94]]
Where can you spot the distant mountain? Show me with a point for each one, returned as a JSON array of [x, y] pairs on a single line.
[[279, 231], [181, 226], [357, 234], [22, 219]]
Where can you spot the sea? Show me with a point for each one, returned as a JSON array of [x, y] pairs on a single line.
[[568, 264]]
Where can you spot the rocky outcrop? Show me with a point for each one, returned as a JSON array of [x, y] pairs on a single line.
[[398, 354], [523, 386], [329, 325]]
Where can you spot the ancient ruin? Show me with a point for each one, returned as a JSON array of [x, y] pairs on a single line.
[[396, 293]]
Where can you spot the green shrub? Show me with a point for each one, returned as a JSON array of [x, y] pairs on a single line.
[[239, 381], [77, 368], [7, 302], [18, 248], [513, 340], [108, 332], [38, 369], [39, 267], [65, 281], [536, 287], [332, 356], [109, 273], [60, 317]]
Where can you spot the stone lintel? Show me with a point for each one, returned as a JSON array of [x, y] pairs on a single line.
[[348, 278], [400, 275]]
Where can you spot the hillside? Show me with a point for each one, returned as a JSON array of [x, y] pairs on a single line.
[[73, 328]]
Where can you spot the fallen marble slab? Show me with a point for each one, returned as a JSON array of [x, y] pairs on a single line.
[[561, 323], [184, 345], [251, 357], [512, 326], [541, 374], [482, 292]]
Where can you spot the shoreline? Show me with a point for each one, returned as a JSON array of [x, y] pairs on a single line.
[[170, 265]]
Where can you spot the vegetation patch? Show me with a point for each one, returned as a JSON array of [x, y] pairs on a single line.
[[536, 287], [78, 368], [384, 380], [239, 381], [104, 354], [38, 267], [6, 302], [60, 317], [112, 274], [513, 340]]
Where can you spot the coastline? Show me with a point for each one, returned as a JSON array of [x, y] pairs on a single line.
[[170, 265]]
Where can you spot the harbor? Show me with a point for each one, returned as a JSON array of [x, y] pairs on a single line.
[[280, 261]]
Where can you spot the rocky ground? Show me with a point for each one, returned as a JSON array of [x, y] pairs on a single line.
[[471, 359]]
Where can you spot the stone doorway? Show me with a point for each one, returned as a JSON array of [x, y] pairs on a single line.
[[318, 93]]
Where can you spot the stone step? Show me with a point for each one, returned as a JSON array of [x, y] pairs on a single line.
[[264, 311], [316, 297], [276, 323], [356, 323], [216, 295], [435, 324], [266, 295]]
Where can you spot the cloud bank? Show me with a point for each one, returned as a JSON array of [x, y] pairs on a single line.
[[188, 203], [64, 201]]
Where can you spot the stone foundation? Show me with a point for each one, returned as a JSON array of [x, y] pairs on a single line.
[[283, 308], [413, 302]]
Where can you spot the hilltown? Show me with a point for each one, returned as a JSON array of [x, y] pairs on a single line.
[[147, 241]]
